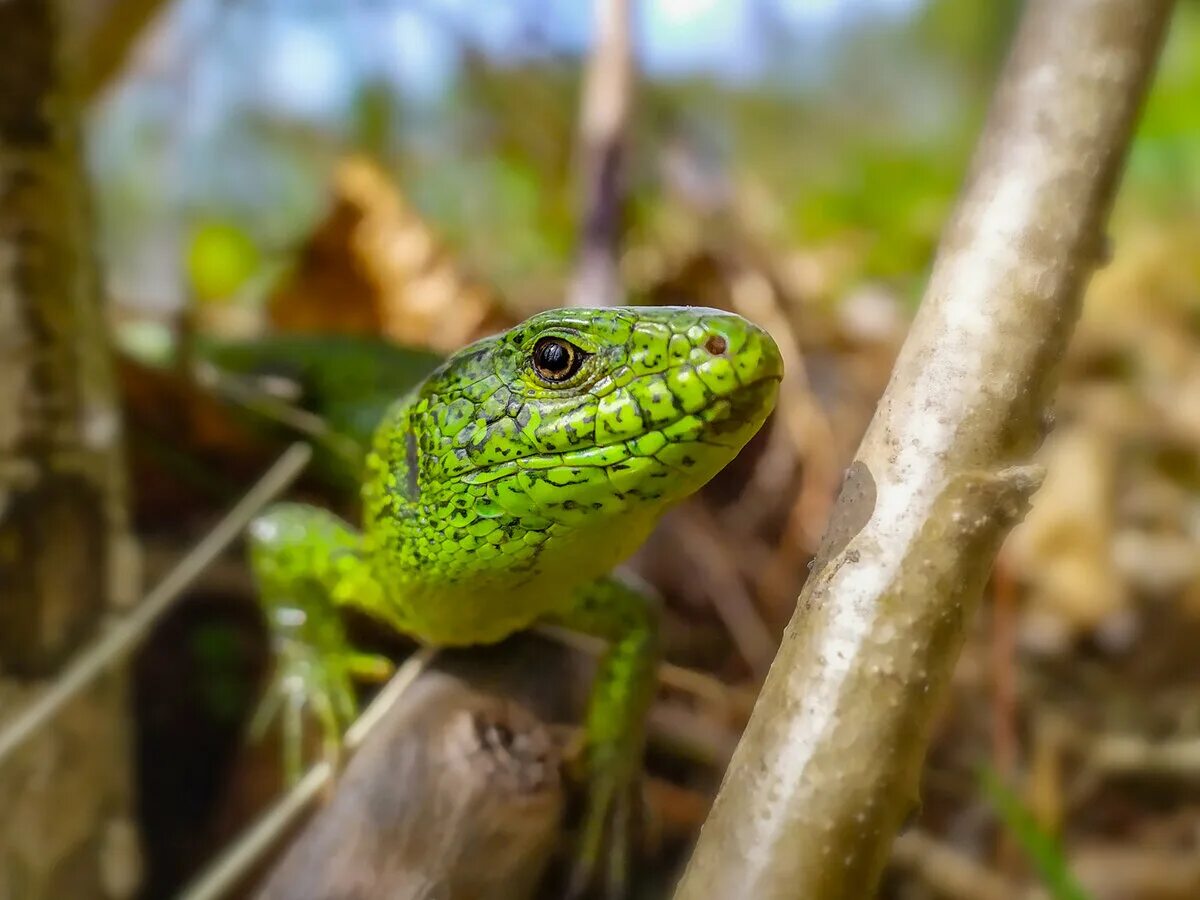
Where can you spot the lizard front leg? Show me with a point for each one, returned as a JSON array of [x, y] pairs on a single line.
[[308, 562], [621, 696]]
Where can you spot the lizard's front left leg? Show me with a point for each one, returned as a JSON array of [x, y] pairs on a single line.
[[307, 563], [621, 696]]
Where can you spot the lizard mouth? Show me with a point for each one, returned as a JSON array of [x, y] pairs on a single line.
[[749, 404], [727, 422]]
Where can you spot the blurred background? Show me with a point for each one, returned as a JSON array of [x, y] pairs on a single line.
[[409, 170]]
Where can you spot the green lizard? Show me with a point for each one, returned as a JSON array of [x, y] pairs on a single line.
[[502, 491]]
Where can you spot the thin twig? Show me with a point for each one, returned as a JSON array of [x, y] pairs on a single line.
[[806, 433], [604, 118], [125, 635], [949, 872], [690, 681], [1130, 754], [112, 30], [700, 543], [315, 428], [691, 734]]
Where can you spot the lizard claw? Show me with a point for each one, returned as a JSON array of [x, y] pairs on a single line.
[[602, 856], [316, 677]]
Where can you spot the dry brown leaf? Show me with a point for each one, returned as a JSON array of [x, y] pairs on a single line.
[[1152, 276], [375, 266], [1063, 549]]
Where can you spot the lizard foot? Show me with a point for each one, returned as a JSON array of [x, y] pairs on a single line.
[[317, 678], [602, 858]]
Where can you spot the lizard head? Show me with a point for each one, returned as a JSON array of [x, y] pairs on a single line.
[[580, 423]]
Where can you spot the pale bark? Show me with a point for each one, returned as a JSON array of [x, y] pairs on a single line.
[[604, 123], [829, 764], [64, 542]]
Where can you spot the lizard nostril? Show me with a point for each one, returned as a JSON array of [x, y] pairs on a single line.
[[716, 345]]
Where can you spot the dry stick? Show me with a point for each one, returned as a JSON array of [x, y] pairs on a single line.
[[701, 685], [700, 543], [458, 795], [246, 851], [1131, 754], [949, 872], [807, 430], [607, 97], [828, 767], [311, 426], [108, 34]]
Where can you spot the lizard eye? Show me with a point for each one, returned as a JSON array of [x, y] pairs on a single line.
[[556, 360]]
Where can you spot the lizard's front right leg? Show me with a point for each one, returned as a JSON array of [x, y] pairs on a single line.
[[308, 562]]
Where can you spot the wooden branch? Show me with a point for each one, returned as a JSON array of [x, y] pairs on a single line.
[[604, 118], [101, 35], [456, 796], [1134, 755], [946, 870], [828, 766]]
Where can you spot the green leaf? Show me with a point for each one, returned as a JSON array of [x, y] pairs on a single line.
[[1042, 849]]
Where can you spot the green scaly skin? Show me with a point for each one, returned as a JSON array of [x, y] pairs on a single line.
[[496, 499]]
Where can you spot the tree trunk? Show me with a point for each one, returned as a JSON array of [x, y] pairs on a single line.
[[64, 543]]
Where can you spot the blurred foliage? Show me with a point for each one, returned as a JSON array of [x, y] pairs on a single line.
[[863, 149], [221, 259], [1163, 178], [348, 381], [215, 647]]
